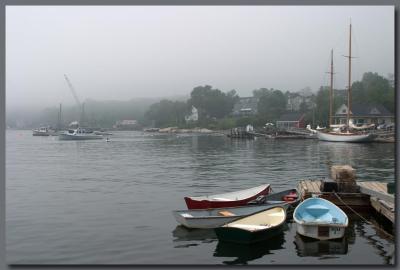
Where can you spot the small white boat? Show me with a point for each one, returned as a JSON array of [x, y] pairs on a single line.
[[78, 134], [320, 219], [216, 217], [230, 199], [254, 228], [44, 131]]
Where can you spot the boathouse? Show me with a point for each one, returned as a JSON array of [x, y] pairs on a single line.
[[291, 120], [364, 114]]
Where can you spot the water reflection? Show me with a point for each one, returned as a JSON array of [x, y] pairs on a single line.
[[244, 253], [359, 156], [307, 247], [193, 236]]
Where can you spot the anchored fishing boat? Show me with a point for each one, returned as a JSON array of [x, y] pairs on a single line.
[[320, 219], [231, 199], [78, 134], [257, 227]]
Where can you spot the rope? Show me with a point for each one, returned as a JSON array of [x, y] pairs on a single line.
[[366, 221]]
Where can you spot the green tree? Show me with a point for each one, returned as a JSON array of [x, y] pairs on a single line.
[[271, 104], [167, 113], [373, 88], [212, 103]]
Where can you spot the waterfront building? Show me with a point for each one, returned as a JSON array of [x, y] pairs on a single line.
[[364, 114], [291, 120]]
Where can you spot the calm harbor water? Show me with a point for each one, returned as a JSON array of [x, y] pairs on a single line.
[[98, 202]]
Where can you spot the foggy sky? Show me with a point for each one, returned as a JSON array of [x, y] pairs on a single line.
[[124, 52]]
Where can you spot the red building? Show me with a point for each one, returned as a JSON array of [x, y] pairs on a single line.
[[291, 120]]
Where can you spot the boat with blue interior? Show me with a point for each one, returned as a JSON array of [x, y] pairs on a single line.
[[320, 219]]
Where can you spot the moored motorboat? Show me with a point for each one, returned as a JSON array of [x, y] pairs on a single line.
[[216, 217], [231, 199], [320, 219], [254, 228], [78, 134], [44, 131]]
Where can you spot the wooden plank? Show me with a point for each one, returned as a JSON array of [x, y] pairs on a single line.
[[311, 186], [308, 186], [377, 186], [383, 196], [389, 214], [319, 183], [315, 186]]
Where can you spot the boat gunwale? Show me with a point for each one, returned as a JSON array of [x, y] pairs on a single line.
[[226, 208], [211, 198]]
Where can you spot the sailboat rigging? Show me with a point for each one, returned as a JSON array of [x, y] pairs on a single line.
[[340, 136]]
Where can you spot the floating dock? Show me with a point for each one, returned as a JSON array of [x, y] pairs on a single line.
[[372, 194]]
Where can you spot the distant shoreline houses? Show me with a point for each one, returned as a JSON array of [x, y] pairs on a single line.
[[364, 114], [246, 106], [127, 125], [360, 114]]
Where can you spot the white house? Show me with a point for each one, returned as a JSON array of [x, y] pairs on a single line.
[[194, 116]]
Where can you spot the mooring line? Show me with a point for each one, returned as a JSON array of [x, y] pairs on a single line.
[[370, 223]]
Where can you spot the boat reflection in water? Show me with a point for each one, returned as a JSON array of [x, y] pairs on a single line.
[[307, 247], [244, 253], [195, 236]]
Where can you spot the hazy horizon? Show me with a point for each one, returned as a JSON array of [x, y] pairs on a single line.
[[130, 52]]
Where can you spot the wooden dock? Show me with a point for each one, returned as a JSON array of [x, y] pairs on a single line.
[[380, 199], [356, 201], [372, 194]]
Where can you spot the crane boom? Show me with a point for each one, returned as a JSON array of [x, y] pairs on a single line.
[[72, 90], [80, 105]]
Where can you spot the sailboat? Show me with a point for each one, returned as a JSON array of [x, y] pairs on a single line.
[[337, 135]]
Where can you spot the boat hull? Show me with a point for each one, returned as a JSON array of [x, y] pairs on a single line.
[[210, 219], [313, 231], [38, 133], [343, 137], [254, 228], [69, 137], [193, 203], [236, 235], [320, 219]]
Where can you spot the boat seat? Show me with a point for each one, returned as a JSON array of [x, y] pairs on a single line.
[[317, 210], [226, 213]]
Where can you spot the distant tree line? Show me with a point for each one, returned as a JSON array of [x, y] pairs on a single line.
[[215, 107]]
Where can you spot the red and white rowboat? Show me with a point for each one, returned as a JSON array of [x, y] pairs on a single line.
[[231, 199]]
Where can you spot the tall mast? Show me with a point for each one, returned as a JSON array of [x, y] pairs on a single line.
[[59, 118], [331, 92], [349, 89]]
